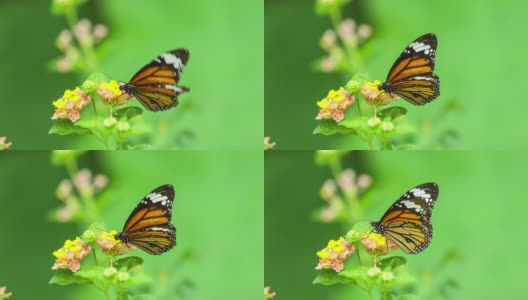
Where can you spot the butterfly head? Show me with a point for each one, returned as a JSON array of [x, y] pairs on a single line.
[[122, 236], [126, 87]]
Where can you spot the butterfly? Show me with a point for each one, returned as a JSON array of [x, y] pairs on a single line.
[[411, 77], [155, 85], [408, 221], [148, 227]]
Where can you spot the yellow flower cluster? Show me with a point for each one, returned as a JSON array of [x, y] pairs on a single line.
[[334, 255], [109, 244], [376, 244], [111, 93], [374, 95], [70, 105], [334, 105], [70, 255]]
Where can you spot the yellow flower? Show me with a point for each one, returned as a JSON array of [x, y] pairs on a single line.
[[111, 86], [323, 103], [70, 105], [59, 103], [334, 105], [110, 244], [71, 254], [111, 93], [374, 95], [334, 255], [74, 95], [376, 244]]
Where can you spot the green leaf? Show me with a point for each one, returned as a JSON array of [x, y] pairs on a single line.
[[142, 297], [392, 112], [140, 147], [358, 273], [66, 127], [93, 123], [98, 77], [362, 227], [330, 127], [128, 262], [127, 113], [356, 123], [405, 147], [330, 277], [66, 277], [91, 273], [406, 297], [392, 262]]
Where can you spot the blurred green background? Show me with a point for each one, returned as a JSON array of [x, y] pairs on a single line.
[[218, 213], [480, 211], [225, 69], [479, 61]]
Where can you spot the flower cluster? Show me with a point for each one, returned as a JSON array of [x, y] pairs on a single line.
[[268, 294], [3, 144], [374, 95], [350, 184], [70, 255], [111, 93], [351, 36], [109, 244], [70, 105], [87, 36], [376, 244], [86, 185], [334, 255], [334, 105], [268, 144], [3, 293]]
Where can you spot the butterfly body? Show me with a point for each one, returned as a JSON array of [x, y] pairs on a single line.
[[408, 221], [148, 227], [155, 85], [411, 76]]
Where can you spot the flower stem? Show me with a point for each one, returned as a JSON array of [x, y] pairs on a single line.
[[95, 257], [94, 106], [358, 105]]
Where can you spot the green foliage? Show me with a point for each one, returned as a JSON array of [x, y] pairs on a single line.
[[128, 263], [392, 113], [127, 113], [65, 7], [331, 277], [66, 127], [330, 127], [329, 7], [391, 263], [66, 277]]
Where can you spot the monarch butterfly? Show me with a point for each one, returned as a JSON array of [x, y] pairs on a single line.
[[155, 85], [411, 77], [148, 227], [408, 221]]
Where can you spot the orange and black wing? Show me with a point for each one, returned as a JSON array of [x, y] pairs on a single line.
[[408, 221], [148, 227], [411, 76], [156, 84]]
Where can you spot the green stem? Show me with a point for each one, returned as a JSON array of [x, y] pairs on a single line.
[[357, 254], [71, 168], [335, 168], [358, 105], [336, 18], [71, 18], [94, 106], [94, 256], [369, 141]]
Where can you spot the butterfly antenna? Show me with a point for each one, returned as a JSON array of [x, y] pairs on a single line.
[[367, 79]]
